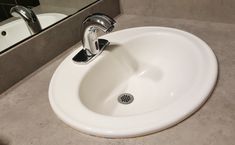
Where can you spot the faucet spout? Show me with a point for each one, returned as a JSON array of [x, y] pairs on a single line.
[[92, 46], [28, 16], [91, 25]]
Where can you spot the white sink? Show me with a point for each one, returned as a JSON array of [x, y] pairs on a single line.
[[169, 72], [17, 30]]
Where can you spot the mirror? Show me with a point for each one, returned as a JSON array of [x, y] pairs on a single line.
[[14, 30]]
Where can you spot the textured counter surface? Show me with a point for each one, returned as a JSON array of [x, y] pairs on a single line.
[[26, 116]]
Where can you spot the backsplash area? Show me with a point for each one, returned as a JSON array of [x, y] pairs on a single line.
[[5, 6], [205, 10]]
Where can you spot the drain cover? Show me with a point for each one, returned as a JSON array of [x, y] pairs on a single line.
[[125, 98]]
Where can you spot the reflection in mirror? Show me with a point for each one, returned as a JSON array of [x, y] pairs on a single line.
[[14, 30], [30, 18]]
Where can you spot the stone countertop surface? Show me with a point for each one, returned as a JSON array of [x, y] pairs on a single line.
[[26, 117]]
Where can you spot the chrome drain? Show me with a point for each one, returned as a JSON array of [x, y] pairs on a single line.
[[125, 98]]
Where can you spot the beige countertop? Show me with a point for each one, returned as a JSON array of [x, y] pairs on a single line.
[[26, 116]]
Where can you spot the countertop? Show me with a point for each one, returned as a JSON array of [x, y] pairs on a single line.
[[26, 116]]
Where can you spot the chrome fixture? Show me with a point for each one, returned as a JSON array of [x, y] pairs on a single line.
[[28, 16], [92, 46], [125, 98]]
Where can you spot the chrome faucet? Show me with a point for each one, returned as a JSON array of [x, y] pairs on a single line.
[[92, 46], [28, 16]]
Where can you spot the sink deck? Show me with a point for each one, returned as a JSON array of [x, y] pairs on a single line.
[[27, 118]]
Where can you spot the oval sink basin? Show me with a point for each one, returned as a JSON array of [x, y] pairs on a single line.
[[17, 30], [146, 80]]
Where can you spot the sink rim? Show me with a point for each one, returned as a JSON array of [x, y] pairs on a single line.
[[162, 124]]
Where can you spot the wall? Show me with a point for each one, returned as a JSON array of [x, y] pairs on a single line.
[[206, 10]]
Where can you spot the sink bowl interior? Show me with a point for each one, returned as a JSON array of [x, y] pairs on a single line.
[[166, 73], [151, 73]]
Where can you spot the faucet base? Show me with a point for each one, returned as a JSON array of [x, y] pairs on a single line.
[[84, 56]]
